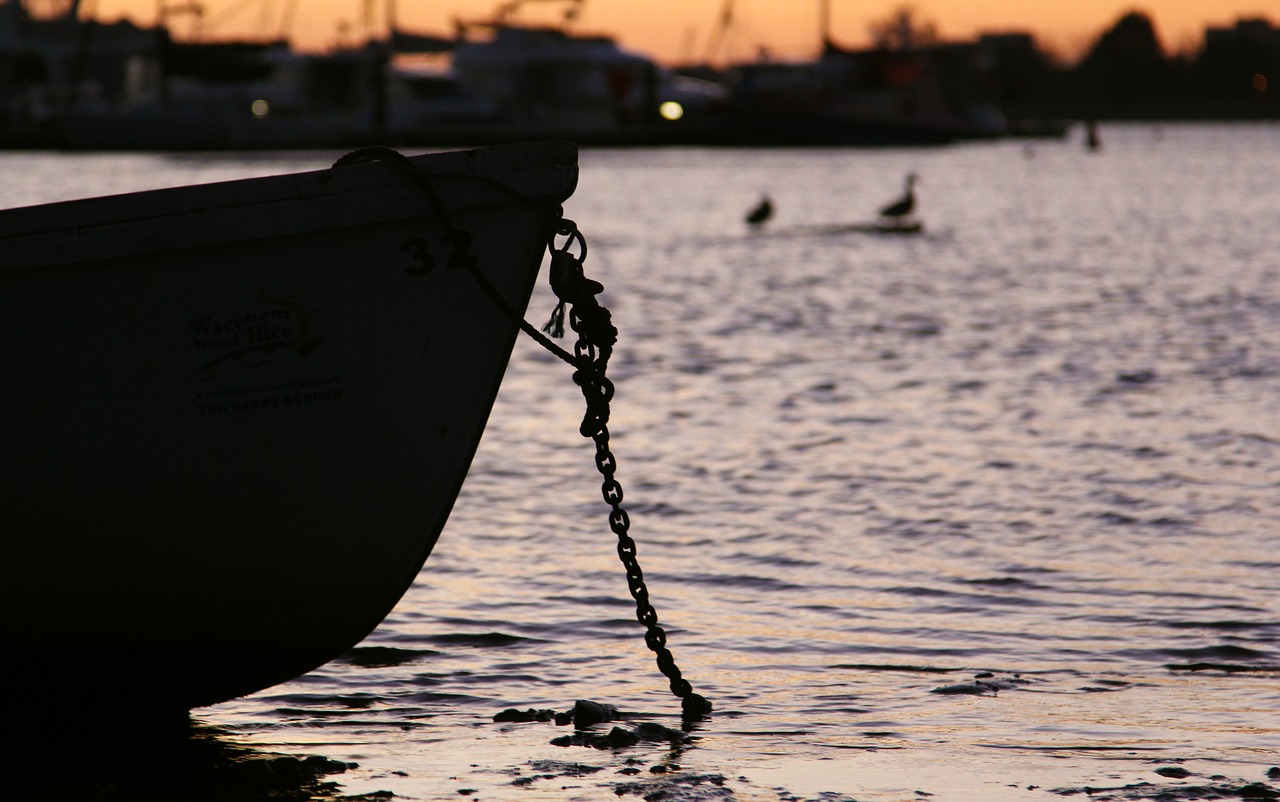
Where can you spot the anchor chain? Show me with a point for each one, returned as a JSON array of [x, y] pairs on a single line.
[[596, 336]]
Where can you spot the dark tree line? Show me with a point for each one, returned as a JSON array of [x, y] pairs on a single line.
[[1127, 74]]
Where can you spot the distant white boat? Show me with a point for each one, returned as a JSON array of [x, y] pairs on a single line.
[[509, 80], [237, 415]]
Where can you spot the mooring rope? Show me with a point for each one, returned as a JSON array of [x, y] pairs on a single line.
[[593, 323]]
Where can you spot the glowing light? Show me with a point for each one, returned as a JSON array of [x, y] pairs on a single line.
[[260, 108], [671, 110], [1260, 82]]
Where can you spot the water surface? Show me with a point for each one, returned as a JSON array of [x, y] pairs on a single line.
[[985, 513]]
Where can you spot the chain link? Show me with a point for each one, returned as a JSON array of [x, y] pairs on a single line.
[[596, 336]]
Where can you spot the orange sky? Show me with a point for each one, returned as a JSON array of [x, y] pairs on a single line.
[[674, 30]]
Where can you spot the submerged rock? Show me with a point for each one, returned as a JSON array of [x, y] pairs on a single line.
[[619, 738], [679, 787], [649, 731], [584, 715], [984, 683], [587, 713], [1224, 789], [616, 738], [512, 714]]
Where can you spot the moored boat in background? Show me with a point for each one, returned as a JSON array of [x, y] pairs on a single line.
[[508, 79]]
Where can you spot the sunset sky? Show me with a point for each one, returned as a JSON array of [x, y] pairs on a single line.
[[676, 30]]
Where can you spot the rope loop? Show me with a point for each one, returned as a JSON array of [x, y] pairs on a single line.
[[569, 230]]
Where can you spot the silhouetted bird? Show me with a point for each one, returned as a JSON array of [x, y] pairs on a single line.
[[762, 212], [903, 206]]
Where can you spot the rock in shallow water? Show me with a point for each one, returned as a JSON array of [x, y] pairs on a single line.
[[619, 738], [521, 716], [587, 713]]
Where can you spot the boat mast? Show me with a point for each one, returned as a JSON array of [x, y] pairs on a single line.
[[716, 44], [824, 23]]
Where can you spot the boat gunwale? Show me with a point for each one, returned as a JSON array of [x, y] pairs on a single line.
[[247, 209]]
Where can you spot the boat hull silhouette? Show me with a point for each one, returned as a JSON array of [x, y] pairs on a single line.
[[239, 414]]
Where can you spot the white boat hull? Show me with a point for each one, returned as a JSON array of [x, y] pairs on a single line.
[[238, 415]]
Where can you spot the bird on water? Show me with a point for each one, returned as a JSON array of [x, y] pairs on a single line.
[[762, 211], [900, 209]]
